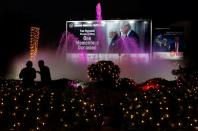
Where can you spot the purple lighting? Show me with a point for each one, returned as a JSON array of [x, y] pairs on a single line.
[[99, 32], [98, 12]]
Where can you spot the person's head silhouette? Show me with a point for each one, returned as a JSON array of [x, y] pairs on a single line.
[[41, 63], [29, 64]]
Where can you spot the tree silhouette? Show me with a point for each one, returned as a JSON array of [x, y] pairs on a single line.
[[105, 71], [126, 84]]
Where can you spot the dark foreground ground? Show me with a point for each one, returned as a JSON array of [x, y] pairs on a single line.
[[72, 105]]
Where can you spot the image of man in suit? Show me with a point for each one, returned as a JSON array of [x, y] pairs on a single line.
[[130, 39], [114, 45], [126, 31]]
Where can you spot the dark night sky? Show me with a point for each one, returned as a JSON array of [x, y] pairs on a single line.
[[18, 15]]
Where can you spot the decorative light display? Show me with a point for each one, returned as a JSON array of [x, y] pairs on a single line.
[[167, 107], [103, 71], [126, 84], [34, 41], [46, 109], [154, 83]]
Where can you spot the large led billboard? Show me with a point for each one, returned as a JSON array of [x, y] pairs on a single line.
[[168, 43], [115, 40]]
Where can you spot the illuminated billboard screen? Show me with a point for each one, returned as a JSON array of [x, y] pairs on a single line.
[[127, 40], [168, 43]]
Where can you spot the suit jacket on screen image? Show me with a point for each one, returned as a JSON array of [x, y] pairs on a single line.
[[134, 35]]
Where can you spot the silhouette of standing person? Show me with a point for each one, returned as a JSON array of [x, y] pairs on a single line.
[[28, 74], [44, 73]]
